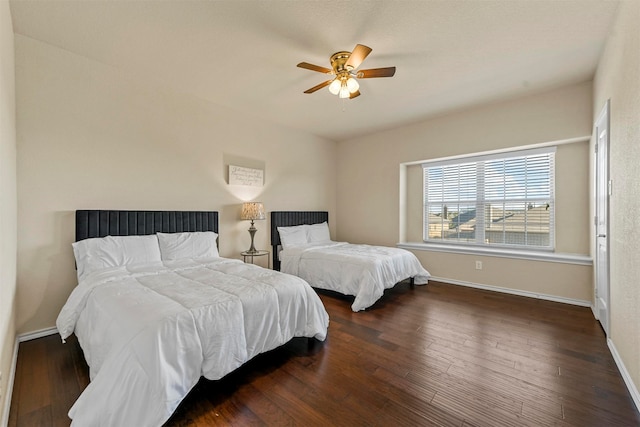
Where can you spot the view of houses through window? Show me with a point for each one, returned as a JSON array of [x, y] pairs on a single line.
[[497, 200]]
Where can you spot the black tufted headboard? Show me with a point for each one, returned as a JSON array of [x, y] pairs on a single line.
[[289, 219], [100, 223]]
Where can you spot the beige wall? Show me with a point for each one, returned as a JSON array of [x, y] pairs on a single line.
[[8, 201], [369, 191], [90, 137], [618, 79]]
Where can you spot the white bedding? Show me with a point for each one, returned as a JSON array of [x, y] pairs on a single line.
[[361, 270], [149, 332]]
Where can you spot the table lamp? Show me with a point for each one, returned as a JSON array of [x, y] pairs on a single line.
[[252, 211]]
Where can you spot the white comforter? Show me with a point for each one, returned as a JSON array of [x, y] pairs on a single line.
[[361, 270], [149, 332]]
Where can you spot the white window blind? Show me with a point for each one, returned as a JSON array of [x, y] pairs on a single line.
[[504, 199]]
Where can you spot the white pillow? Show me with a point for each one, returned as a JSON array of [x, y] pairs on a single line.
[[318, 233], [114, 251], [292, 236], [196, 244]]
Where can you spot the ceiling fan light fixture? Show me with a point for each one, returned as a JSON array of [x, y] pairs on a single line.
[[334, 86], [352, 85]]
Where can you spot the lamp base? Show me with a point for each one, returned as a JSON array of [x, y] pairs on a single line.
[[252, 232]]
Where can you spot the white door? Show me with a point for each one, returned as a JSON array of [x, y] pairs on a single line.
[[603, 191]]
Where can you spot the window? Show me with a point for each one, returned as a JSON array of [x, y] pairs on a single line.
[[497, 200]]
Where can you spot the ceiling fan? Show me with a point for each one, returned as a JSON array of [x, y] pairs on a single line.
[[343, 67]]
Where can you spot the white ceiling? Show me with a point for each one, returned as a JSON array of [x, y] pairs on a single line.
[[242, 54]]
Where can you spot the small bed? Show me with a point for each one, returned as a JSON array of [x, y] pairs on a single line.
[[302, 246], [156, 308]]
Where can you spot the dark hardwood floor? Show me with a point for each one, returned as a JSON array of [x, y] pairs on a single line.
[[433, 355]]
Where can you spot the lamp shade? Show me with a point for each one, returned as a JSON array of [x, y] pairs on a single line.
[[334, 87], [252, 211], [344, 92], [352, 85]]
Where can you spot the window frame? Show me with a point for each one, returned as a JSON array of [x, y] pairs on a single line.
[[477, 162]]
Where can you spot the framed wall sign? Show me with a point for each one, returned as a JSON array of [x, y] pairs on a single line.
[[239, 175]]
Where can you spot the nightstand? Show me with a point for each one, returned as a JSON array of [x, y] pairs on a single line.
[[251, 255]]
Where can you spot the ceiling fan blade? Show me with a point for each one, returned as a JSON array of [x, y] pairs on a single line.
[[315, 68], [376, 72], [354, 94], [318, 87], [360, 52]]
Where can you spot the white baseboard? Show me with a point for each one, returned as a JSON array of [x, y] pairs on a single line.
[[14, 361], [572, 301], [633, 390], [37, 334]]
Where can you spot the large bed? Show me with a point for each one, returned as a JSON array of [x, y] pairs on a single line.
[[156, 308], [302, 246]]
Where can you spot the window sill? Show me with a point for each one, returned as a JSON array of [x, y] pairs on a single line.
[[563, 258]]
